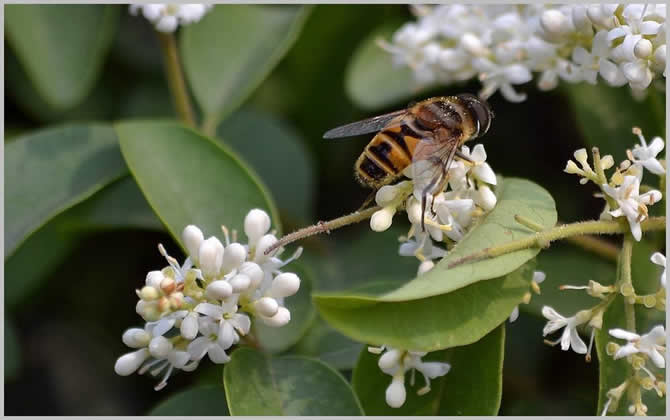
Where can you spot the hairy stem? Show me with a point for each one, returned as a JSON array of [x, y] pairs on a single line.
[[175, 78], [625, 260], [543, 239], [321, 227], [597, 246]]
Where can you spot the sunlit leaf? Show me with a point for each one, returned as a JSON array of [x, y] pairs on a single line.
[[257, 384]]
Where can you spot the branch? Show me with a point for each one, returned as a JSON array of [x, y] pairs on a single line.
[[175, 78]]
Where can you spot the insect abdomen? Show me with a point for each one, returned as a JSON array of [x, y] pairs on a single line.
[[385, 157]]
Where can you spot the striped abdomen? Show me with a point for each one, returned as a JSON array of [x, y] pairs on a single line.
[[386, 156]]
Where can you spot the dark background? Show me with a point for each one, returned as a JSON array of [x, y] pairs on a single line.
[[69, 328]]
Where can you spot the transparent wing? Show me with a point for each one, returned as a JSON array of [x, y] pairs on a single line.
[[430, 164], [369, 125]]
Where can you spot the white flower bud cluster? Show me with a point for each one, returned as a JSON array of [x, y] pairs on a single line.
[[206, 305], [166, 17], [504, 44], [623, 187], [466, 196], [396, 363]]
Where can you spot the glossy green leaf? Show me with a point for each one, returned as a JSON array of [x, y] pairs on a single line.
[[204, 400], [233, 48], [566, 264], [609, 127], [373, 81], [438, 322], [12, 351], [278, 339], [61, 47], [257, 384], [190, 179], [329, 346], [51, 170], [285, 164]]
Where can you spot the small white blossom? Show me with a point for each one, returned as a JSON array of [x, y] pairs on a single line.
[[631, 203], [659, 259], [396, 363], [167, 17], [651, 344], [646, 155], [570, 337]]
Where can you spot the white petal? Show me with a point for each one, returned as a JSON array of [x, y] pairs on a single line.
[[217, 355], [281, 318], [167, 24], [623, 334], [241, 322], [654, 166], [478, 153], [656, 335], [214, 311], [226, 335], [539, 276], [189, 326], [625, 351], [198, 347], [137, 337], [577, 344], [130, 362], [657, 358], [179, 358], [485, 173], [256, 224], [549, 313], [515, 314], [658, 259], [433, 369], [565, 339]]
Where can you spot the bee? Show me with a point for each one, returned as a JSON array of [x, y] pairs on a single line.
[[427, 135]]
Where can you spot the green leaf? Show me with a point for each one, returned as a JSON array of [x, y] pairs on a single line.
[[372, 80], [232, 49], [61, 47], [12, 351], [278, 339], [566, 264], [190, 179], [472, 387], [285, 164], [257, 384], [434, 323], [329, 346], [609, 127], [207, 400], [51, 170]]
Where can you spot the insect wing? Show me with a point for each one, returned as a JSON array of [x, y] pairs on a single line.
[[369, 125], [430, 164]]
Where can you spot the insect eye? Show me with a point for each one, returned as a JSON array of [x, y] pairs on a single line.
[[481, 111]]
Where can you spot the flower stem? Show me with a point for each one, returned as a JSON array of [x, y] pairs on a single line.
[[175, 78], [321, 227], [543, 239], [625, 277], [599, 247]]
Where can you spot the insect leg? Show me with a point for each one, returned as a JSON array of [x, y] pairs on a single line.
[[463, 157], [368, 200]]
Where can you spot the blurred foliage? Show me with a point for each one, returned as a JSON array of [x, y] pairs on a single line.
[[69, 286]]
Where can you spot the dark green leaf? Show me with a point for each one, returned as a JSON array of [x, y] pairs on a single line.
[[612, 372], [372, 80], [51, 170], [223, 67], [275, 339], [609, 127], [284, 163], [257, 385], [329, 346], [453, 319], [61, 47], [473, 385], [204, 400], [12, 352], [190, 179]]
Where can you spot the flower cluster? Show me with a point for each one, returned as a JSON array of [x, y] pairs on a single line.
[[396, 363], [206, 305], [622, 192], [448, 214], [504, 44], [167, 17]]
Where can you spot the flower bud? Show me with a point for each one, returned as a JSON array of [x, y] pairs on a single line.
[[154, 279], [159, 347], [425, 267], [643, 48], [395, 393], [611, 348], [130, 362], [582, 157], [390, 359], [192, 237], [266, 306], [659, 58], [240, 283], [386, 194], [264, 243], [607, 161], [136, 338], [281, 318], [472, 44], [414, 211], [554, 24], [148, 293], [253, 271], [176, 300], [234, 255], [256, 224], [219, 290], [168, 285], [210, 256], [382, 219], [485, 198], [189, 326], [572, 168], [147, 310], [285, 284]]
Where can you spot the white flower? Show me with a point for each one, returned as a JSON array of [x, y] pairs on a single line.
[[646, 155], [167, 17], [231, 323], [659, 259], [570, 337], [631, 203], [397, 362], [480, 169], [652, 344], [209, 343]]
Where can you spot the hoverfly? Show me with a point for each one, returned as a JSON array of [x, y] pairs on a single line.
[[427, 134]]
